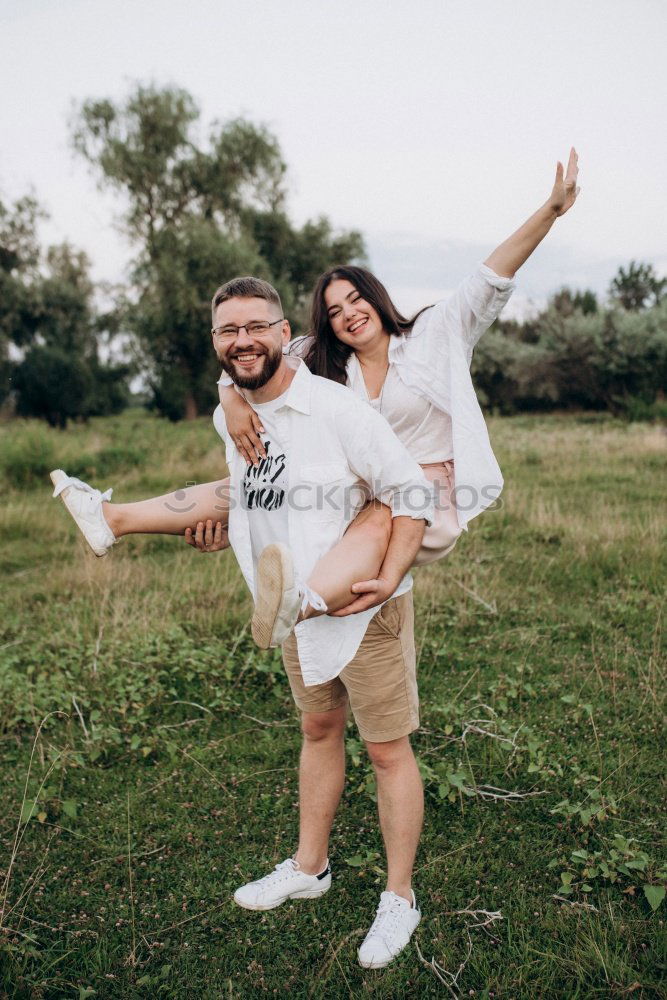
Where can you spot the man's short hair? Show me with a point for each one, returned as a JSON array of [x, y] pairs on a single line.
[[245, 288]]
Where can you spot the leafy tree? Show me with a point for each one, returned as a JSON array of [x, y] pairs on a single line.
[[57, 385], [53, 384], [47, 310], [297, 257], [197, 214], [19, 259], [638, 287], [608, 360], [503, 370], [172, 315], [566, 301]]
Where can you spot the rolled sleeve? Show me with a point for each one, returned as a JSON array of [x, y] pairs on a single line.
[[471, 308], [414, 500], [502, 284]]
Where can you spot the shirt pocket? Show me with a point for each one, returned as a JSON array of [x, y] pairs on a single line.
[[322, 490], [323, 472]]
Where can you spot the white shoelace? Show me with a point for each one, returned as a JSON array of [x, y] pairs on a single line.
[[280, 872], [387, 918], [79, 484], [312, 598]]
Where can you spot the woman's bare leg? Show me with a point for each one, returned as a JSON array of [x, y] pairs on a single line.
[[172, 513], [361, 551], [357, 556]]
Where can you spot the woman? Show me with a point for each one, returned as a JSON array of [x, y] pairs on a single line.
[[414, 372]]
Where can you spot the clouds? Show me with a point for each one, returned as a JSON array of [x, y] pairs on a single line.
[[443, 120]]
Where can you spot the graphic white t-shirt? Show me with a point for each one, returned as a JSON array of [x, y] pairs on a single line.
[[264, 490]]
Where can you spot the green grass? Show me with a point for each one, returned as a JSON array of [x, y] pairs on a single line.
[[158, 747]]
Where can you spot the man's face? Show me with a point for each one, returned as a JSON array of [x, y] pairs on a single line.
[[250, 358]]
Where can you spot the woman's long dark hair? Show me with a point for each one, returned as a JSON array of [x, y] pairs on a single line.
[[328, 356]]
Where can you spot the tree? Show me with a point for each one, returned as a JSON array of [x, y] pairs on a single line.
[[19, 258], [566, 302], [47, 311], [197, 214], [172, 315], [53, 384], [613, 360], [637, 288], [297, 257]]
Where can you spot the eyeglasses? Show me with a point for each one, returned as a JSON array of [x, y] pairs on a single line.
[[252, 329]]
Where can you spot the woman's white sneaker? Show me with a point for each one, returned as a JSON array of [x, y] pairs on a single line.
[[286, 881], [85, 505], [390, 932], [278, 599]]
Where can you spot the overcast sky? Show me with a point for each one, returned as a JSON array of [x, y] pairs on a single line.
[[434, 126]]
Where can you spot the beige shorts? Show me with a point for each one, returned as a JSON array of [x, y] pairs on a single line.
[[379, 683]]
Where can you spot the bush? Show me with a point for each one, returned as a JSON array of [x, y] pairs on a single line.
[[111, 393], [610, 360], [56, 385], [53, 385], [27, 455], [634, 408], [106, 462], [510, 374]]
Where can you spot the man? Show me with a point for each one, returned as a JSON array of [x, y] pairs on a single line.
[[322, 444]]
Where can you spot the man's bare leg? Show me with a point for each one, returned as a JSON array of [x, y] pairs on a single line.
[[400, 807], [172, 513], [321, 780]]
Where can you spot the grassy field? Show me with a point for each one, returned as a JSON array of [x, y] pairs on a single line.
[[148, 754]]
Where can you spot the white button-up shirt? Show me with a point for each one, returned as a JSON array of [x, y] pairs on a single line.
[[433, 360], [339, 452]]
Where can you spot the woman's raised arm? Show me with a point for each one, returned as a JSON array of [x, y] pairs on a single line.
[[515, 251]]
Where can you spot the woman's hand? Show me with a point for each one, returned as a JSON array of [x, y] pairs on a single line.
[[517, 248], [243, 425], [565, 188]]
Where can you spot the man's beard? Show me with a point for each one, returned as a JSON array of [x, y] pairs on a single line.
[[269, 368]]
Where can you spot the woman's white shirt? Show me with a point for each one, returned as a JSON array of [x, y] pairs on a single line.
[[432, 362], [425, 430]]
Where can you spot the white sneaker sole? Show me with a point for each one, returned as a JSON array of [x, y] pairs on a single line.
[[381, 965], [57, 477], [304, 894], [275, 579]]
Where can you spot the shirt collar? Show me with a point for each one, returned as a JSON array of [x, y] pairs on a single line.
[[395, 344], [301, 386], [354, 368]]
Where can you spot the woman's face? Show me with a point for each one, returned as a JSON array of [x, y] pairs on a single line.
[[353, 320]]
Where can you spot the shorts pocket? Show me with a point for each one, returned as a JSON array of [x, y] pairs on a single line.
[[388, 619]]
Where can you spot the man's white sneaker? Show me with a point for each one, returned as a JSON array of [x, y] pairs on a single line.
[[85, 505], [286, 881], [278, 599], [390, 932]]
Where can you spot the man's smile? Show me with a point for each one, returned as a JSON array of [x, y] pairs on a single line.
[[247, 359]]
